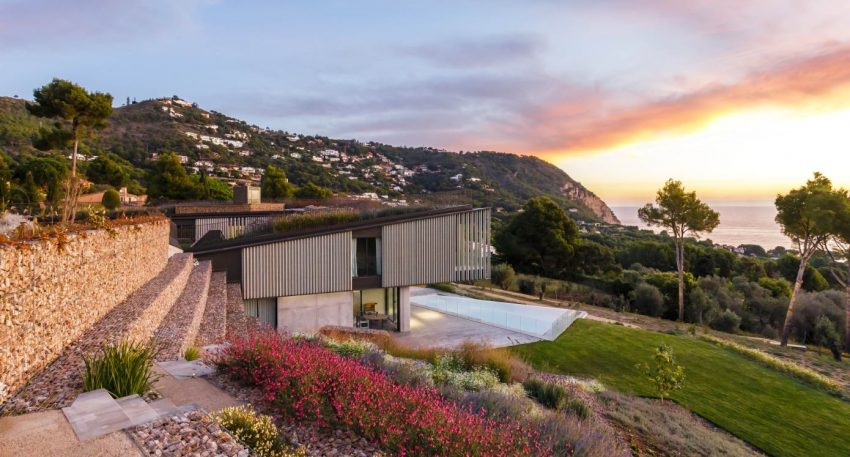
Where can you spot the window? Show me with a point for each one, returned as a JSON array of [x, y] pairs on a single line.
[[366, 258]]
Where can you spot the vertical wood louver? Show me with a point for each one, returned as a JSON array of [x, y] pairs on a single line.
[[439, 249], [312, 265]]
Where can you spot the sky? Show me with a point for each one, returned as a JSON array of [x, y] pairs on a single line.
[[739, 100]]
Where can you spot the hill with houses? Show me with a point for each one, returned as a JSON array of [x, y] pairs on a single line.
[[236, 151]]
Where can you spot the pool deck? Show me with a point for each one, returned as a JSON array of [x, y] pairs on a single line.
[[436, 329]]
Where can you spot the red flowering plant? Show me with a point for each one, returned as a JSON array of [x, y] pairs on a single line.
[[309, 382]]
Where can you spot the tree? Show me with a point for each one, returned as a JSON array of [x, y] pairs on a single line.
[[825, 335], [111, 200], [809, 215], [839, 245], [683, 213], [664, 372], [81, 112], [105, 170], [169, 180], [503, 275], [210, 188], [539, 240], [275, 184], [313, 192], [47, 173]]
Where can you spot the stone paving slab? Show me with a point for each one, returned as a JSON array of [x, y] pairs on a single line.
[[193, 390], [48, 433], [96, 413], [184, 369], [137, 409]]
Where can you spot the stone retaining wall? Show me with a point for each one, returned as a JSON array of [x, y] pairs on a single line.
[[51, 291]]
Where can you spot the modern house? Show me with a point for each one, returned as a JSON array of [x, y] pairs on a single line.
[[246, 214], [354, 273]]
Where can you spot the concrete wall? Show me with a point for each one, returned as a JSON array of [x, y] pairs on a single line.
[[404, 308], [309, 313], [52, 291]]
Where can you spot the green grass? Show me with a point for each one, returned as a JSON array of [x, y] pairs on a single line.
[[769, 410]]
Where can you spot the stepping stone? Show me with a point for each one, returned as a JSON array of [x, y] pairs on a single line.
[[183, 369], [94, 414], [137, 409], [163, 407]]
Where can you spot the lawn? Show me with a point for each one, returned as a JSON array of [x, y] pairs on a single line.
[[769, 410]]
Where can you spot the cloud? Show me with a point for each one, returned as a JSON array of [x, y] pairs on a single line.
[[57, 23], [482, 52], [598, 123]]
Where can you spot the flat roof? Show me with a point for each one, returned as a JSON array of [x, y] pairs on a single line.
[[268, 238]]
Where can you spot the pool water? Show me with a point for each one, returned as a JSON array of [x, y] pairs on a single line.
[[541, 321]]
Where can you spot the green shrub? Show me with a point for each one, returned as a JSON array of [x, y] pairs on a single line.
[[547, 394], [503, 275], [123, 369], [258, 432], [727, 321], [664, 372], [443, 286], [451, 370], [192, 353], [348, 348], [578, 407], [111, 200], [311, 220]]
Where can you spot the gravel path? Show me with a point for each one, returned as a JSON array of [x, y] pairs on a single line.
[[191, 433], [214, 322], [180, 327], [60, 382], [318, 441]]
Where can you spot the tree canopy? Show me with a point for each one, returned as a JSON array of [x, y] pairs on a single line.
[[683, 213], [275, 185], [169, 180], [809, 215], [313, 192], [539, 240]]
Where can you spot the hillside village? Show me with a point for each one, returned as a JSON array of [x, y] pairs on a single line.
[[239, 153]]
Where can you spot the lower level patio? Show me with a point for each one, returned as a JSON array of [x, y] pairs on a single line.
[[436, 329]]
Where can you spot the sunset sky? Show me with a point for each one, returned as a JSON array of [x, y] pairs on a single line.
[[740, 100]]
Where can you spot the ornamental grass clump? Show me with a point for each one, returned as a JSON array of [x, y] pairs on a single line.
[[306, 381], [192, 353], [256, 431], [122, 369]]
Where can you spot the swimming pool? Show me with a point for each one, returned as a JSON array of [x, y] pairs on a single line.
[[541, 321]]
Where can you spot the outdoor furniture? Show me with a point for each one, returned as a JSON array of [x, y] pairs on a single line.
[[376, 318]]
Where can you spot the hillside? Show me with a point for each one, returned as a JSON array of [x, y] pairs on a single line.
[[234, 150]]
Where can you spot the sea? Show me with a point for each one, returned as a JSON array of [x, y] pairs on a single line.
[[738, 225]]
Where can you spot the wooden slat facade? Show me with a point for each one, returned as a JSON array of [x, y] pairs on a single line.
[[473, 245], [441, 249], [453, 247], [303, 266]]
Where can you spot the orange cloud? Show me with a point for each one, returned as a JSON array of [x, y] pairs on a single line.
[[816, 81]]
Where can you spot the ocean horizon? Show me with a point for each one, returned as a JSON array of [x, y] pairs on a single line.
[[746, 224]]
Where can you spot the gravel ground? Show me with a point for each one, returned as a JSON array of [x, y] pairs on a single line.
[[191, 433], [214, 323], [318, 441], [58, 384], [180, 326]]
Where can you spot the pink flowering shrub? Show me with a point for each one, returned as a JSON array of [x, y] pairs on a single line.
[[309, 382]]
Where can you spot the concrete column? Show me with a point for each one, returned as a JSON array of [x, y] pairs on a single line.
[[404, 308]]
